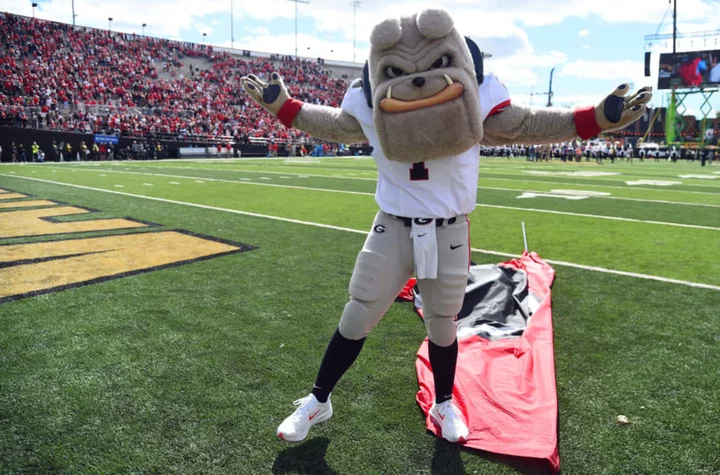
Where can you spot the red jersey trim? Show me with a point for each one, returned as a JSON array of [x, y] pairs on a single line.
[[499, 108], [585, 122], [289, 111]]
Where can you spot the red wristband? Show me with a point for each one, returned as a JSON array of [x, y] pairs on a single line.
[[289, 111], [585, 122]]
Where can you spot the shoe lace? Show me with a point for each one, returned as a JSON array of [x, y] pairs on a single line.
[[304, 406]]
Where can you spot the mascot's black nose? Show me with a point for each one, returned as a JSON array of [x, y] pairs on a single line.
[[419, 82]]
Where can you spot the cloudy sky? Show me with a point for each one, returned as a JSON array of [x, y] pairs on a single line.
[[593, 45]]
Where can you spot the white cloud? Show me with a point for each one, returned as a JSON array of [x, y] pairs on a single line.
[[471, 16], [202, 27], [616, 70], [518, 69], [164, 17], [308, 46], [498, 26], [261, 30], [540, 99]]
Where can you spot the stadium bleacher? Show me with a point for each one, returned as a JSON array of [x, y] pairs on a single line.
[[55, 76]]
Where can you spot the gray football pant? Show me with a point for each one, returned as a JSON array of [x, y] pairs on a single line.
[[384, 266]]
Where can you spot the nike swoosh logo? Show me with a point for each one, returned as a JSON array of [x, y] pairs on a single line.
[[313, 416], [452, 248], [422, 235]]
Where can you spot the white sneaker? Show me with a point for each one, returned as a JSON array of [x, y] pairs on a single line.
[[310, 412], [450, 420]]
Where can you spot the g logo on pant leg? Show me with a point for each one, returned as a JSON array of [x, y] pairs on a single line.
[[379, 229]]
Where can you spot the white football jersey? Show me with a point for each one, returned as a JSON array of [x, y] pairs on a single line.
[[441, 188]]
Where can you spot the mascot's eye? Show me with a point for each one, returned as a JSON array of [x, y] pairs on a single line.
[[442, 62], [393, 72]]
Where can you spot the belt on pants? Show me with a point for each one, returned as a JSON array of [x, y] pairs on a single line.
[[422, 221]]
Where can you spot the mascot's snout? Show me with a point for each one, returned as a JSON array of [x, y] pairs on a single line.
[[434, 91], [424, 88]]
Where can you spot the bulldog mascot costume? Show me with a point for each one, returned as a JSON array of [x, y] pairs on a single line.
[[425, 106]]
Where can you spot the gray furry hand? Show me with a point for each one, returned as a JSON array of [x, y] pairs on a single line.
[[271, 96], [617, 111]]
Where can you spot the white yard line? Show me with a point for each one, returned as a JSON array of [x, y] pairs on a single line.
[[359, 231], [595, 216], [681, 203], [305, 175], [332, 173], [265, 172], [362, 193], [626, 187], [619, 175], [240, 181]]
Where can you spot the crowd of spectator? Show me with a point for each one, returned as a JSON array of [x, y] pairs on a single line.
[[60, 77], [68, 151], [600, 150]]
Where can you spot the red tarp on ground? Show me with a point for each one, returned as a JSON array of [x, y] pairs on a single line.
[[506, 388]]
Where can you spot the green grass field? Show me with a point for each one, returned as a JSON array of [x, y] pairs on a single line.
[[190, 368]]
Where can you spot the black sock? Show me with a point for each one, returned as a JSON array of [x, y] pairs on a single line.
[[341, 353], [443, 360]]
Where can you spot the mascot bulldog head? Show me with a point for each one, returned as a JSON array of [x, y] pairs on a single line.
[[422, 84]]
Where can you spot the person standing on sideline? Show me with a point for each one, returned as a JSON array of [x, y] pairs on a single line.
[[23, 154]]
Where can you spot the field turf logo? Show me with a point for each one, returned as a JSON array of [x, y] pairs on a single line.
[[67, 260]]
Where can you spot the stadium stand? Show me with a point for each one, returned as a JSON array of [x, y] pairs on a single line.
[[160, 96], [58, 77]]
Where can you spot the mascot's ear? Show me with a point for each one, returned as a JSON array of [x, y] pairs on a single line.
[[477, 58], [366, 85]]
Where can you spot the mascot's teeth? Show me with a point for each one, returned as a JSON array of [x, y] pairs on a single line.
[[389, 93], [449, 81]]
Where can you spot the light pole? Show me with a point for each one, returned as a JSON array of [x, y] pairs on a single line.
[[296, 18], [674, 25], [34, 5], [232, 29], [73, 11], [144, 25], [550, 91], [109, 23], [204, 36], [355, 4]]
